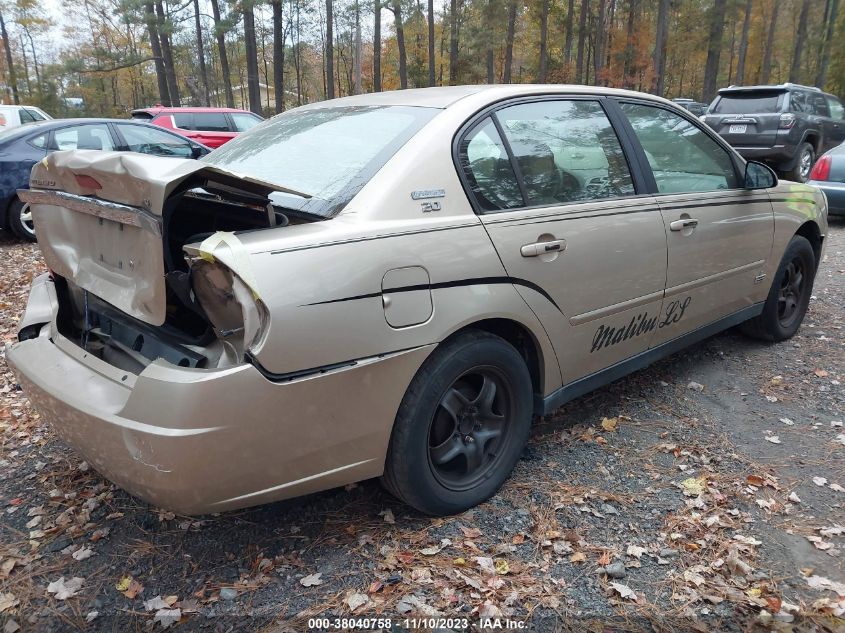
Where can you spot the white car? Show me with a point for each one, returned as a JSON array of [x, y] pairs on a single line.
[[15, 115]]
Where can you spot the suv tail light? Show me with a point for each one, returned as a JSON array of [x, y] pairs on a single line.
[[821, 170], [787, 120]]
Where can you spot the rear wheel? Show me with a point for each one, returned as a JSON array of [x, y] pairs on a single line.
[[803, 165], [20, 220], [461, 426], [789, 295]]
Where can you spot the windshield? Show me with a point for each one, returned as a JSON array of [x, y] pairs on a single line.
[[326, 153], [751, 103]]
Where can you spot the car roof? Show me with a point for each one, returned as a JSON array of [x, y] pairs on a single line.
[[46, 126], [785, 87], [160, 109], [446, 96]]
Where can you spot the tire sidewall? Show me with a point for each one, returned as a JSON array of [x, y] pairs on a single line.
[[408, 454], [15, 223], [798, 247]]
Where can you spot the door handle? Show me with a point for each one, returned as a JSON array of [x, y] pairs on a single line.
[[541, 248], [685, 223]]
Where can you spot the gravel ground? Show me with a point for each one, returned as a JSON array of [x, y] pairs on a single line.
[[703, 493]]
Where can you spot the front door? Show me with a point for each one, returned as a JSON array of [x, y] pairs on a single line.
[[556, 196], [719, 234]]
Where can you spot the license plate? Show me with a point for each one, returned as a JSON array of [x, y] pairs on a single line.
[[737, 129]]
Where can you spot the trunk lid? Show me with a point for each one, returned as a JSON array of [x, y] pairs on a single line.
[[98, 216]]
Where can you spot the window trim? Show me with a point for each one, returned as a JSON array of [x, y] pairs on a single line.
[[737, 161], [638, 178]]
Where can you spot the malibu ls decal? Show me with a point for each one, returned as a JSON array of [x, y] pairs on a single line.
[[607, 336]]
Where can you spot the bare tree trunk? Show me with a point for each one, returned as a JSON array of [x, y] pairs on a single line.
[[251, 50], [800, 36], [824, 58], [542, 62], [660, 41], [13, 81], [598, 46], [582, 34], [201, 54], [278, 56], [630, 52], [506, 78], [453, 43], [743, 44], [220, 32], [770, 42], [431, 77], [329, 50], [567, 44], [167, 55], [155, 45], [357, 59], [714, 47], [377, 47], [400, 43]]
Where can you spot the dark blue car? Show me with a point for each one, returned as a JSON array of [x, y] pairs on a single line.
[[21, 147]]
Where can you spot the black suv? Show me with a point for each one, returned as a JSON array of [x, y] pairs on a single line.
[[786, 126], [694, 107]]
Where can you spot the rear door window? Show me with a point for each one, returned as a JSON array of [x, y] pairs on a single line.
[[92, 136], [146, 140], [488, 169], [835, 107], [211, 122], [566, 151]]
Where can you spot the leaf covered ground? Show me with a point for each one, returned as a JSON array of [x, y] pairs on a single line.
[[706, 492]]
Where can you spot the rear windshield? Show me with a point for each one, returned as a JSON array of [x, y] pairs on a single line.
[[751, 103], [326, 153]]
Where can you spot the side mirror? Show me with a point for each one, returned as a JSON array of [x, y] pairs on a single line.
[[197, 151], [759, 176]]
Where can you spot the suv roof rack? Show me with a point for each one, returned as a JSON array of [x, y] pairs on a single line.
[[792, 85]]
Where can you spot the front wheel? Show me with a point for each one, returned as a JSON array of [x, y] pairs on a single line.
[[789, 295], [20, 220], [462, 425]]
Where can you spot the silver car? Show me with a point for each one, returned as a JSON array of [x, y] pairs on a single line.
[[391, 285]]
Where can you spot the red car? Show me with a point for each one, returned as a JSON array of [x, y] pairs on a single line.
[[210, 126]]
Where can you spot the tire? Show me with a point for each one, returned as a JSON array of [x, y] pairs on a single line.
[[445, 454], [787, 302], [20, 224], [806, 157]]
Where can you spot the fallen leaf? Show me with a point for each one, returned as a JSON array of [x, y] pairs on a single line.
[[167, 617], [133, 589], [502, 566], [794, 498], [819, 481], [578, 557], [11, 627], [518, 538], [821, 373], [609, 424], [312, 580], [430, 551], [388, 516], [123, 583], [820, 582], [695, 386], [755, 480], [840, 439], [7, 601], [91, 616], [635, 550], [774, 439], [82, 553], [356, 601], [473, 532], [693, 486], [604, 559], [624, 590], [787, 421], [154, 604], [486, 564], [694, 578], [65, 589]]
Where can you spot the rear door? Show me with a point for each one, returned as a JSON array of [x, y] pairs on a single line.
[[836, 114], [212, 128], [748, 118], [719, 234], [558, 199]]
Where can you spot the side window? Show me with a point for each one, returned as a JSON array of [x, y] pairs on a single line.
[[25, 116], [183, 120], [35, 114], [152, 141], [798, 101], [211, 122], [566, 151], [819, 105], [836, 109], [488, 170], [39, 141], [83, 137], [244, 121], [682, 157]]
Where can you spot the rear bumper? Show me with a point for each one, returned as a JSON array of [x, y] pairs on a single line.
[[835, 192], [781, 155], [198, 441]]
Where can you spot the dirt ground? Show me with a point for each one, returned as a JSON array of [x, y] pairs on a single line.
[[703, 493]]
